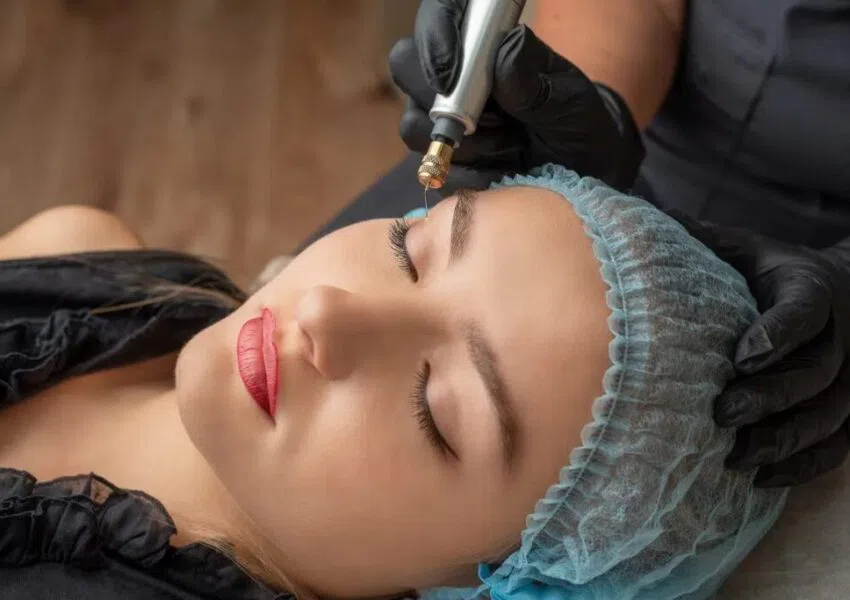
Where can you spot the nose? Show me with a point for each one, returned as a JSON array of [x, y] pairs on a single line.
[[343, 328]]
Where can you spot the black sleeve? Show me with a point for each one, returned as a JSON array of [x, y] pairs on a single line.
[[69, 315]]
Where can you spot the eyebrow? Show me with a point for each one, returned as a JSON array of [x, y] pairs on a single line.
[[480, 350], [484, 359], [462, 219]]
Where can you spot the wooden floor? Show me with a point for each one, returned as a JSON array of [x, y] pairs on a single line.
[[229, 128]]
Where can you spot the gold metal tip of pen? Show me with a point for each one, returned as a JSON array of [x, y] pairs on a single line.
[[435, 164]]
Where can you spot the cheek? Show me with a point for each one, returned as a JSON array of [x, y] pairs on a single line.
[[354, 454], [351, 258], [200, 385], [221, 420], [357, 485]]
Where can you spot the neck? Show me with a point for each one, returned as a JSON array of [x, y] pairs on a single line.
[[134, 438], [158, 458], [161, 460]]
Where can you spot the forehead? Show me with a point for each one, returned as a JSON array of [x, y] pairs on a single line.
[[541, 299], [533, 261]]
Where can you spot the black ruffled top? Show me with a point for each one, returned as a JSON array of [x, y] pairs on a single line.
[[82, 537]]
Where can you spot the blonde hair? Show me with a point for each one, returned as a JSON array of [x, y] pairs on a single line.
[[246, 552]]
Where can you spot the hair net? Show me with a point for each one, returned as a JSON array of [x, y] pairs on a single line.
[[645, 508]]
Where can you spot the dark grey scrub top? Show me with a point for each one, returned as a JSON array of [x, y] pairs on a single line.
[[756, 130]]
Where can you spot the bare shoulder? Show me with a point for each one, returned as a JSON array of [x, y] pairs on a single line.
[[67, 229]]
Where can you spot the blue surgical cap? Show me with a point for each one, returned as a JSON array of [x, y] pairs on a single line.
[[645, 509]]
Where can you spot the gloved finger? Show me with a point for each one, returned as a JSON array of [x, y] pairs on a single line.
[[801, 310], [437, 31], [783, 435], [808, 464], [407, 74], [415, 127], [487, 148], [486, 152], [522, 85], [567, 120], [493, 145], [801, 376]]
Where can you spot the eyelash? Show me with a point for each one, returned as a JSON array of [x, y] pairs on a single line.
[[423, 414], [418, 396], [398, 239]]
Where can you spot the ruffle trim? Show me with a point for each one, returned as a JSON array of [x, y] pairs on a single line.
[[86, 521]]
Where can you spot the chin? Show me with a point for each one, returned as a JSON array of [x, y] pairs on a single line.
[[201, 388], [219, 417]]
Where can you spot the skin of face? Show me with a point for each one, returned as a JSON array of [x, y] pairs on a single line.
[[345, 484]]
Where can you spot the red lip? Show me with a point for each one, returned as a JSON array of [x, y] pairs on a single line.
[[256, 357]]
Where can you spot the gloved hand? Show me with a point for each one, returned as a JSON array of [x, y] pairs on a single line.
[[542, 109], [791, 400]]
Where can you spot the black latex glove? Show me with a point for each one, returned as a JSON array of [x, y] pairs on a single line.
[[791, 401], [542, 108]]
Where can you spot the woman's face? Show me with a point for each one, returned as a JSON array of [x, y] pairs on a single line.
[[428, 394]]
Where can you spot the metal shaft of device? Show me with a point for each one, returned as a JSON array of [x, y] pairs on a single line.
[[484, 26]]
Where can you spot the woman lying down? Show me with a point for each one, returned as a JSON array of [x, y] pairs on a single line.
[[511, 399]]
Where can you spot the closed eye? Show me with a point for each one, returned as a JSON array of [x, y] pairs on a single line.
[[421, 407], [398, 245], [424, 416]]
